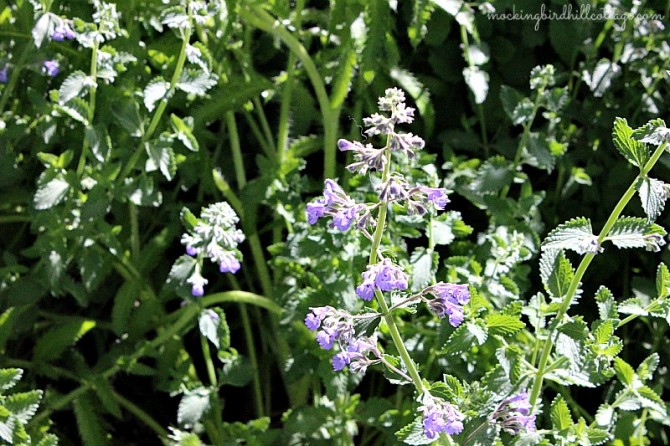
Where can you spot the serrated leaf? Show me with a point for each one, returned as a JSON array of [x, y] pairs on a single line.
[[653, 196], [51, 190], [41, 30], [417, 29], [607, 306], [662, 281], [465, 337], [575, 234], [154, 92], [195, 81], [575, 329], [182, 269], [510, 358], [345, 73], [503, 324], [413, 433], [603, 332], [600, 79], [54, 342], [654, 132], [605, 415], [193, 406], [624, 371], [208, 322], [634, 151], [161, 156], [634, 232], [633, 306], [183, 129], [9, 378], [72, 86], [561, 276], [561, 418], [493, 175], [647, 368], [23, 405], [510, 98], [597, 436], [124, 302], [48, 440], [127, 114], [424, 266], [650, 399], [105, 393], [89, 423]]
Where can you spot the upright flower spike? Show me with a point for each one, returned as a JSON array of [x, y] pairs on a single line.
[[440, 416], [216, 237]]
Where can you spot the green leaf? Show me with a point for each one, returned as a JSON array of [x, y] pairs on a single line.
[[561, 418], [54, 342], [345, 73], [72, 86], [417, 29], [161, 156], [465, 337], [89, 423], [651, 400], [662, 281], [105, 393], [51, 190], [624, 371], [188, 219], [48, 440], [503, 324], [124, 302], [196, 81], [208, 322], [575, 234], [607, 306], [654, 132], [634, 151], [603, 332], [510, 358], [193, 405], [575, 329], [493, 175], [647, 367], [419, 93], [561, 276], [634, 232], [237, 370], [633, 305], [653, 196], [127, 114], [23, 405], [43, 28], [424, 266], [510, 99], [9, 378], [183, 129], [154, 92], [600, 79], [413, 433]]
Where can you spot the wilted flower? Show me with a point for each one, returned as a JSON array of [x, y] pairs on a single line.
[[440, 416], [50, 68], [513, 413]]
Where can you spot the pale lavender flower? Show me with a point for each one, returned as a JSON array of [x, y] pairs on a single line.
[[316, 210], [406, 143], [229, 264], [338, 205], [355, 355], [197, 283], [514, 415], [3, 74], [366, 157], [435, 195], [378, 124], [315, 316], [191, 250], [448, 300], [440, 416], [50, 68], [62, 32], [332, 325]]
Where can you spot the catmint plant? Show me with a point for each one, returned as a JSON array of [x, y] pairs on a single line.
[[384, 281], [213, 236]]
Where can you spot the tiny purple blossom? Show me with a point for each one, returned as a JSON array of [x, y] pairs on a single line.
[[229, 264], [340, 361], [191, 250], [3, 74], [366, 290], [62, 32], [50, 68], [198, 290], [315, 210], [448, 300], [326, 339], [440, 416], [514, 415], [316, 315], [384, 275], [342, 219], [438, 196]]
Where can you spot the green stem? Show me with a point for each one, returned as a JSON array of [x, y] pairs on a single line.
[[158, 114], [581, 270], [251, 351], [14, 219], [134, 232], [480, 109], [91, 108], [388, 317], [259, 18], [216, 434], [141, 415], [236, 149], [16, 74], [265, 125]]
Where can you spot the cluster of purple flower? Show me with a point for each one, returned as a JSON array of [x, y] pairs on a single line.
[[215, 237], [514, 415], [51, 68], [440, 416], [337, 204], [383, 275], [448, 300]]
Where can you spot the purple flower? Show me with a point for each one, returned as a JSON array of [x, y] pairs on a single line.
[[340, 361], [514, 415], [436, 195], [343, 218], [406, 143], [326, 339], [355, 355], [316, 315], [3, 74], [366, 157], [50, 68], [229, 263], [448, 300], [384, 275], [366, 290], [440, 416], [316, 210], [191, 250], [332, 192], [197, 283], [198, 290], [62, 32]]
